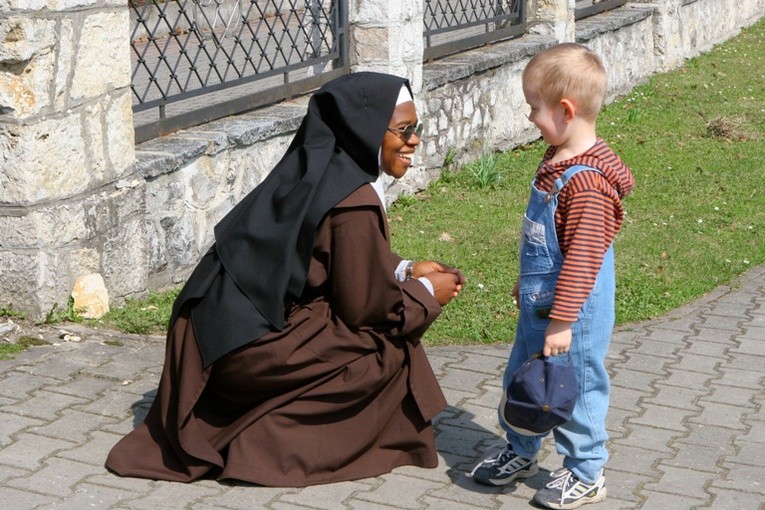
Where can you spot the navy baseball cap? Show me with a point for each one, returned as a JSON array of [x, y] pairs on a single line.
[[541, 395]]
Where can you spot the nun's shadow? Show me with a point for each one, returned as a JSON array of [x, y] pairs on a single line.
[[140, 408], [462, 442]]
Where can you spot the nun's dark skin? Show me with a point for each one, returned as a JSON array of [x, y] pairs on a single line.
[[396, 158]]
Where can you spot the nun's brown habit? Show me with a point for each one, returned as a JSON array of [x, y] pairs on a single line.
[[293, 355]]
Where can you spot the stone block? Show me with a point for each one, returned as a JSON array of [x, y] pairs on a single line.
[[123, 258], [55, 225], [102, 62], [26, 72], [371, 44], [33, 154], [23, 38]]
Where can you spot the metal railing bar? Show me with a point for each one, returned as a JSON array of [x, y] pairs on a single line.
[[223, 86], [234, 106]]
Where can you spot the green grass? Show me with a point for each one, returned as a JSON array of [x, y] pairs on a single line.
[[141, 316], [693, 138]]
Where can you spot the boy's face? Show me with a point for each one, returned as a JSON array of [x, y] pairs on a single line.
[[550, 120]]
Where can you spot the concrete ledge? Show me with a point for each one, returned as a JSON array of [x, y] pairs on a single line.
[[610, 21]]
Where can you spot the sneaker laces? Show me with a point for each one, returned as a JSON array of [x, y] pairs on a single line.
[[569, 484], [564, 480]]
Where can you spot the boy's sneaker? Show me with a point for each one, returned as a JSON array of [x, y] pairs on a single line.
[[503, 467], [568, 491]]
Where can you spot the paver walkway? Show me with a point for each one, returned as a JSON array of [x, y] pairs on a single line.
[[687, 423]]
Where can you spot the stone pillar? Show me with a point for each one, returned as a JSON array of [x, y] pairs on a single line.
[[554, 18], [667, 33], [69, 205], [386, 36]]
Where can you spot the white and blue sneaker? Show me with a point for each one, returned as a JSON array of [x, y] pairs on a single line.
[[503, 467], [567, 491]]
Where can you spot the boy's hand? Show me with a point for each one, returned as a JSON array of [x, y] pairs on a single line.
[[557, 338]]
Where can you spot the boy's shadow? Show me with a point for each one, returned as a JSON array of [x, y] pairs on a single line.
[[462, 443]]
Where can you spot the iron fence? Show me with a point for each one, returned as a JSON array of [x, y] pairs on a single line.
[[586, 8], [195, 61], [456, 25]]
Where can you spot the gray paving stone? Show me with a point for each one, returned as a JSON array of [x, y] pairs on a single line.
[[628, 398], [704, 458], [24, 500], [29, 451], [629, 459], [734, 500], [44, 405], [647, 363], [745, 362], [479, 362], [459, 379], [648, 438], [716, 350], [20, 385], [739, 378], [663, 500], [723, 394], [93, 449], [404, 491], [742, 477], [71, 425], [696, 363], [87, 496], [12, 424], [722, 415], [748, 452], [682, 482], [755, 432], [57, 478], [681, 398], [662, 418], [170, 495], [633, 379], [331, 497]]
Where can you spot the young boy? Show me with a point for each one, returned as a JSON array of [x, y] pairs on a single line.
[[565, 290]]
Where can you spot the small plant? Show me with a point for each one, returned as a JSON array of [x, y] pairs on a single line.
[[9, 311], [405, 201], [55, 314], [142, 316], [30, 341], [486, 171], [8, 351]]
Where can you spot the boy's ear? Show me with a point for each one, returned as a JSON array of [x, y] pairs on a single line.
[[569, 109]]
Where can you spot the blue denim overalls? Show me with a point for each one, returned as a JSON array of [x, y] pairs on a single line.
[[581, 440]]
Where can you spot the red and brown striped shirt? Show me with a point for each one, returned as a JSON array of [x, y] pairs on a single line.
[[588, 217]]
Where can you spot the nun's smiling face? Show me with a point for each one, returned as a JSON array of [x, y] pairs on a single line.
[[400, 141]]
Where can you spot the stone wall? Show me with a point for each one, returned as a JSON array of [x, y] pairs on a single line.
[[70, 202], [76, 198]]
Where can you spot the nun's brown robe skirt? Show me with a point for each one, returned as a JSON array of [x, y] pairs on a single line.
[[321, 401]]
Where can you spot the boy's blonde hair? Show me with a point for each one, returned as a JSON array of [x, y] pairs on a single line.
[[569, 71]]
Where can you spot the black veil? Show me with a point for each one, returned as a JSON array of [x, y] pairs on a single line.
[[263, 245]]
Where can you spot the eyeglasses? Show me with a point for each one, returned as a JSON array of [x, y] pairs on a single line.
[[406, 132]]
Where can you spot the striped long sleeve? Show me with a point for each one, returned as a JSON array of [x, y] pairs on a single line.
[[588, 217]]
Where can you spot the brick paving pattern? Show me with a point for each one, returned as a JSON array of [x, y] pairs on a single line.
[[687, 423]]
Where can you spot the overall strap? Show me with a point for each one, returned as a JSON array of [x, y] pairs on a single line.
[[561, 181]]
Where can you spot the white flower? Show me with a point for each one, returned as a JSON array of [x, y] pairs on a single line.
[[699, 221]]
